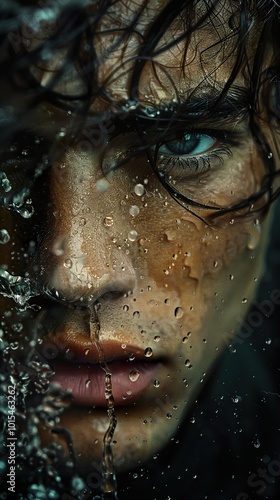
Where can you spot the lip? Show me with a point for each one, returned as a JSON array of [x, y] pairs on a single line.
[[86, 381], [79, 349]]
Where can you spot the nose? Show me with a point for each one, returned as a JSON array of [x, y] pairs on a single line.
[[82, 257]]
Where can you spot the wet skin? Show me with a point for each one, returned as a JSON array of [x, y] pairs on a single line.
[[163, 277]]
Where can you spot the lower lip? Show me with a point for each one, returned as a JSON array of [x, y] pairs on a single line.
[[87, 381]]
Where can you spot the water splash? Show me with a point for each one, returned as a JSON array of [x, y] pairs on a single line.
[[18, 288]]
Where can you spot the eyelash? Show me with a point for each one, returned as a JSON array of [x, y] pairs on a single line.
[[185, 166]]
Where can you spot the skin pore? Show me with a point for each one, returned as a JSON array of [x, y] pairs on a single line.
[[171, 284]]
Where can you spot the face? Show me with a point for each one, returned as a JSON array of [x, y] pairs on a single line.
[[141, 294]]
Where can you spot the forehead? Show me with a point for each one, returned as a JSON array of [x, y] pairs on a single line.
[[155, 49]]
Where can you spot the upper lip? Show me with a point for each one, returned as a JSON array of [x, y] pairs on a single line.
[[80, 349]]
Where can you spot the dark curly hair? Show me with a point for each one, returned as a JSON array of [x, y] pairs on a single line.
[[72, 26]]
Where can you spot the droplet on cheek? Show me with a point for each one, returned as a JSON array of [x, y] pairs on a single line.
[[255, 235], [179, 312]]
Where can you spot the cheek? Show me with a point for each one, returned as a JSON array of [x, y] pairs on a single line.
[[197, 270]]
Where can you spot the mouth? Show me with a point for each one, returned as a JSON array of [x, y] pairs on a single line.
[[81, 367], [129, 380]]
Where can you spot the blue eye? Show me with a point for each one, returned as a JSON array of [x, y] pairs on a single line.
[[190, 144]]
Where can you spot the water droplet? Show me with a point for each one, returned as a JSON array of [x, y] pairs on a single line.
[[256, 443], [188, 363], [123, 346], [88, 383], [108, 221], [170, 235], [178, 313], [156, 383], [255, 235], [132, 235], [192, 420], [134, 375], [148, 352], [125, 308], [83, 221], [186, 338], [244, 301], [129, 392], [102, 185], [157, 338], [86, 352], [268, 341], [139, 189], [136, 314], [236, 399], [68, 263], [132, 357], [5, 183], [168, 415], [4, 236], [134, 210]]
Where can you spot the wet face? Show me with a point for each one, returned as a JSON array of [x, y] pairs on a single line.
[[138, 287]]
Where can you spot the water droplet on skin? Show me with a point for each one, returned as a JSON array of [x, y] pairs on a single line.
[[134, 375], [157, 338], [244, 301], [268, 341], [129, 392], [148, 352], [88, 382], [123, 346], [136, 314], [68, 263], [156, 383], [131, 357], [108, 221], [132, 235], [83, 221], [86, 352], [188, 363], [168, 415], [255, 235], [179, 312], [134, 210], [102, 185], [4, 236], [139, 189], [125, 308]]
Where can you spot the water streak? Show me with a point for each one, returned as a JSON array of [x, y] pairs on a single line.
[[109, 482]]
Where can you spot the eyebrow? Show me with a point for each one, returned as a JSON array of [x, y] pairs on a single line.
[[211, 106]]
